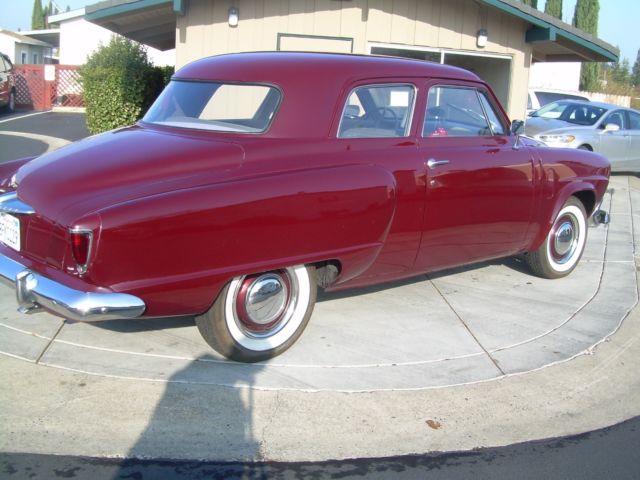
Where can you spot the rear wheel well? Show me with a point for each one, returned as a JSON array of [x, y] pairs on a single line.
[[586, 146], [327, 272], [588, 200]]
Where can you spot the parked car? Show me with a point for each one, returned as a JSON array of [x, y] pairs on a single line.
[[256, 178], [538, 98], [607, 129], [7, 84]]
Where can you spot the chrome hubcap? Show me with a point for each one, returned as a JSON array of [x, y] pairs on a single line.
[[565, 240], [266, 299], [263, 303]]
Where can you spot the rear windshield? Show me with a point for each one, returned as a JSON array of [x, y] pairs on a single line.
[[578, 113], [221, 107]]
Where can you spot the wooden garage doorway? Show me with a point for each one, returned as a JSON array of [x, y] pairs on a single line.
[[493, 69]]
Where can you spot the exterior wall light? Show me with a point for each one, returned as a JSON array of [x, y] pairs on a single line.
[[483, 36], [233, 16]]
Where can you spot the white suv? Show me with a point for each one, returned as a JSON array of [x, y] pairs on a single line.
[[538, 98]]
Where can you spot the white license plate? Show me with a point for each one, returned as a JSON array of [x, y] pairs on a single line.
[[10, 231]]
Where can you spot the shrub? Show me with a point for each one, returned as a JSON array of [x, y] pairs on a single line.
[[119, 84]]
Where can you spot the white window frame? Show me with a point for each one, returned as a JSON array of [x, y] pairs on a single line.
[[441, 51]]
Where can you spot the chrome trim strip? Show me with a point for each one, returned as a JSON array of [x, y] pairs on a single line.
[[34, 290], [9, 203]]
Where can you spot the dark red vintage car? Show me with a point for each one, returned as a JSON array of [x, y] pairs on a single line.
[[256, 178]]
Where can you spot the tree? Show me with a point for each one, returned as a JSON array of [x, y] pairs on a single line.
[[585, 18], [622, 74], [635, 73], [531, 3], [37, 16], [554, 8]]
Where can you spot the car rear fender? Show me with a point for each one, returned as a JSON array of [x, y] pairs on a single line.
[[203, 237]]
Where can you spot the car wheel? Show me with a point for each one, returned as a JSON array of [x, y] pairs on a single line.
[[563, 247], [257, 317], [11, 106]]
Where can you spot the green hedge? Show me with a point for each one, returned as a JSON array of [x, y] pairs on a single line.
[[120, 84]]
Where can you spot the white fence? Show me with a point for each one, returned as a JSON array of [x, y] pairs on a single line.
[[622, 100]]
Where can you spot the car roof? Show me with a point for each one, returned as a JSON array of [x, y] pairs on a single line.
[[608, 106], [286, 67], [312, 83]]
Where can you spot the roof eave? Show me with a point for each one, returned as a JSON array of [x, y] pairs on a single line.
[[546, 28]]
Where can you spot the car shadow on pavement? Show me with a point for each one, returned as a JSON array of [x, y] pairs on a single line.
[[514, 263], [136, 325], [195, 420]]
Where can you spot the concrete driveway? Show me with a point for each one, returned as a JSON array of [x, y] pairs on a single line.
[[482, 356]]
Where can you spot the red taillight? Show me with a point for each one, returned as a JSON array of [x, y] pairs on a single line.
[[81, 247]]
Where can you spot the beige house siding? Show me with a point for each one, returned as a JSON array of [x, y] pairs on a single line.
[[431, 24]]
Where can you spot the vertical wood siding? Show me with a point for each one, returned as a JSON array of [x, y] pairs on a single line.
[[446, 24]]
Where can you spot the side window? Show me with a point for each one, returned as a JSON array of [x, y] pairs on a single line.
[[455, 112], [617, 118], [494, 119], [634, 118], [376, 111]]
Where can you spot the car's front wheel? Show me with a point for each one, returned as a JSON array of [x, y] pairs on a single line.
[[259, 316], [563, 247]]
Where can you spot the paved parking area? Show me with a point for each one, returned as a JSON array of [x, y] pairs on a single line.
[[479, 356], [470, 325], [24, 134]]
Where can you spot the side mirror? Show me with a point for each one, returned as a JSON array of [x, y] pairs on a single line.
[[611, 127], [517, 127]]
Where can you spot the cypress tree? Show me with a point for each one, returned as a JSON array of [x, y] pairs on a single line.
[[554, 8], [531, 3], [37, 16], [585, 18], [635, 73]]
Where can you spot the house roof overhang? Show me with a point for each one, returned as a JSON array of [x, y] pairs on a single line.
[[50, 36], [552, 40], [153, 22]]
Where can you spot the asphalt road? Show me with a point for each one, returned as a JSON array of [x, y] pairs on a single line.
[[65, 126], [612, 453]]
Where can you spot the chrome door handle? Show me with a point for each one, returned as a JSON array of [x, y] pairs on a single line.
[[432, 163]]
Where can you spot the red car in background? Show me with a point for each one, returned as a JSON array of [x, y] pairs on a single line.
[[7, 84], [256, 178]]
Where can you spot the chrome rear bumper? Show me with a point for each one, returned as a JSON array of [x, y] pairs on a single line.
[[36, 292]]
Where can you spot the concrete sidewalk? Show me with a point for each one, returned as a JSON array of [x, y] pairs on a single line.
[[481, 356]]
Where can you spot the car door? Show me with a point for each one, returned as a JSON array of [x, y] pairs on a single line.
[[633, 153], [377, 128], [480, 184], [615, 144]]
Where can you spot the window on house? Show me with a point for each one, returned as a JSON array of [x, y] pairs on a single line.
[[23, 58], [35, 58]]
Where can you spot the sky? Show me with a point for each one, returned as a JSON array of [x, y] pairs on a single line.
[[618, 19]]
